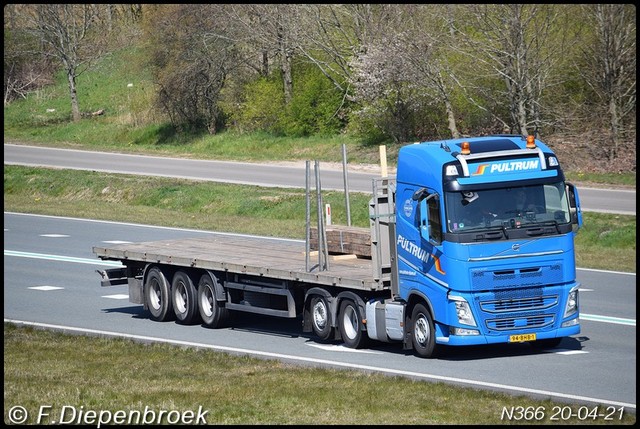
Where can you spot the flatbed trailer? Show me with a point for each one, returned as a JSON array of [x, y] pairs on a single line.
[[205, 279], [247, 255]]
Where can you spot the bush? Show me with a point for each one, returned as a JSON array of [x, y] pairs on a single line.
[[261, 109], [315, 107]]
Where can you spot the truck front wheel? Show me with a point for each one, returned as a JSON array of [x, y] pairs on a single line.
[[350, 324], [185, 302], [321, 318], [157, 296], [213, 314], [423, 332]]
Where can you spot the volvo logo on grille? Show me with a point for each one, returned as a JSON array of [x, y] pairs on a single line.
[[515, 247]]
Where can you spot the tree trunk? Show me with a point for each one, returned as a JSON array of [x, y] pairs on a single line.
[[522, 116], [451, 119], [287, 75], [285, 63], [615, 129], [73, 93]]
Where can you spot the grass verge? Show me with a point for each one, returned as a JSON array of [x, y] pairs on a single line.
[[45, 368]]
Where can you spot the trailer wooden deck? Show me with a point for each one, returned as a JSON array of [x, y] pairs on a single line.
[[272, 258]]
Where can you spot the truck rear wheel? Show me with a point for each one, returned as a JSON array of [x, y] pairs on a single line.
[[350, 325], [157, 296], [321, 318], [212, 313], [185, 302], [423, 332]]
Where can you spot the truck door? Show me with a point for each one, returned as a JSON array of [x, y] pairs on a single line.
[[430, 228]]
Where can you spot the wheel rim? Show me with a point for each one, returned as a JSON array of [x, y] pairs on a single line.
[[421, 330], [155, 295], [320, 315], [350, 322], [181, 298], [206, 301]]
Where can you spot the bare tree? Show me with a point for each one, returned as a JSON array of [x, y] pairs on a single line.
[[191, 58], [332, 36], [426, 41], [516, 44], [273, 31], [610, 69], [405, 72], [68, 33]]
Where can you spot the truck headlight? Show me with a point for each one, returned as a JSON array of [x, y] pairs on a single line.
[[463, 311], [572, 302]]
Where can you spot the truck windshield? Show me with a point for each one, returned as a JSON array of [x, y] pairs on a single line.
[[515, 207]]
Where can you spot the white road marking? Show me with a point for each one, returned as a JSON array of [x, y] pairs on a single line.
[[569, 352], [341, 348], [46, 288], [117, 296]]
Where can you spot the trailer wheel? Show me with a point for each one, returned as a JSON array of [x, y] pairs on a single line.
[[350, 325], [185, 301], [423, 332], [212, 313], [321, 318], [157, 296]]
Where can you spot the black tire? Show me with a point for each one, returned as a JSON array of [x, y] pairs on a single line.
[[548, 343], [350, 325], [157, 296], [185, 299], [321, 318], [213, 314], [423, 333]]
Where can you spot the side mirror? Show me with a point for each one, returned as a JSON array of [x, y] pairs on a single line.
[[423, 196], [574, 206]]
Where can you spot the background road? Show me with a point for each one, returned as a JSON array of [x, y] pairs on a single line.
[[50, 280], [291, 175]]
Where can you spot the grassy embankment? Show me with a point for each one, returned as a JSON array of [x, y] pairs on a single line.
[[43, 368]]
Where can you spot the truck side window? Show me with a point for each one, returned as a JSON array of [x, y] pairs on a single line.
[[435, 222]]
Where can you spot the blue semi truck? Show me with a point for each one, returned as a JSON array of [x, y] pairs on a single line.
[[472, 242]]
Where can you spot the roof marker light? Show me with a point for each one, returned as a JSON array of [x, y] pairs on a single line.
[[531, 142], [465, 148]]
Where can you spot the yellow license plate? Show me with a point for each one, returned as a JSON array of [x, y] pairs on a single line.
[[521, 338]]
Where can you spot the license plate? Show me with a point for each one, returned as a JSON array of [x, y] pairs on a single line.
[[521, 338]]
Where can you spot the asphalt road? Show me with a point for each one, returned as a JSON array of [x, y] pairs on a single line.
[[50, 281], [290, 175]]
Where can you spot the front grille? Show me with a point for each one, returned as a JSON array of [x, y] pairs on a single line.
[[519, 304], [509, 323], [486, 279], [518, 309]]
